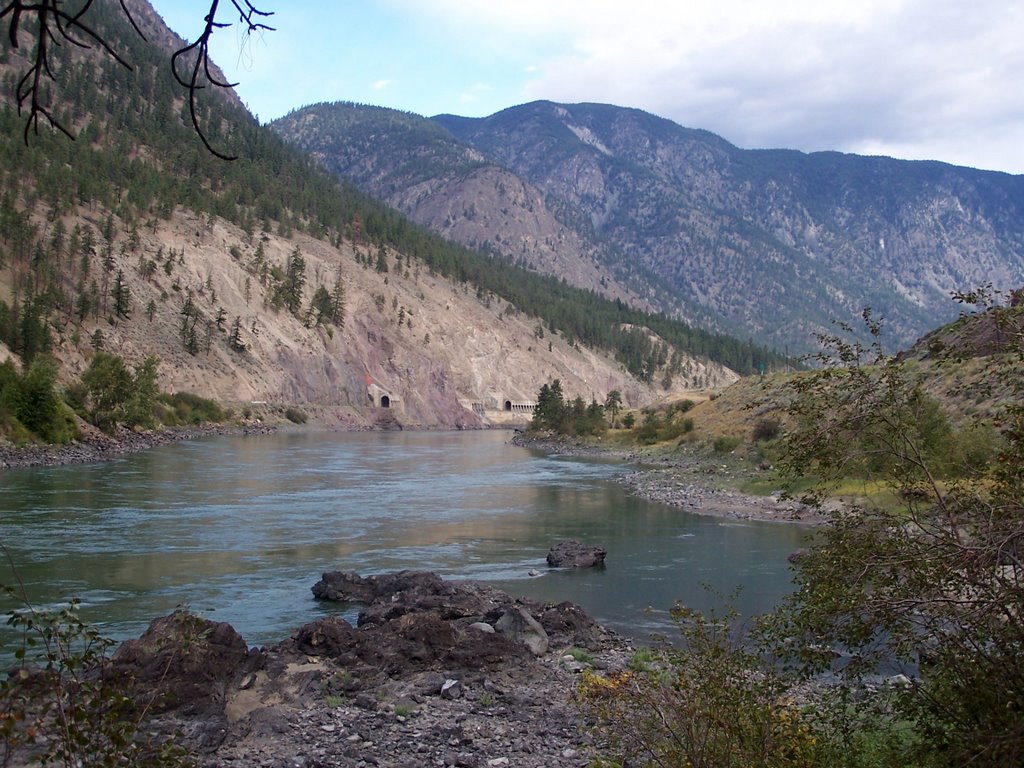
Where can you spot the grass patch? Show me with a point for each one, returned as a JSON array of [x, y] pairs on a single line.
[[641, 660], [580, 655], [726, 443]]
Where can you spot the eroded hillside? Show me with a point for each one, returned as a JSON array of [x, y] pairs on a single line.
[[433, 348]]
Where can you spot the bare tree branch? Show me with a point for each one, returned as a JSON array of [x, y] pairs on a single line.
[[249, 16], [55, 26]]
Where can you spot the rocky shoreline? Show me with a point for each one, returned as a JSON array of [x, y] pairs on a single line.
[[98, 446], [435, 673], [679, 488], [696, 484]]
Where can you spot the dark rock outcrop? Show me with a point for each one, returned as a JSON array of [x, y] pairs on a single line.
[[189, 665], [467, 667], [465, 605], [575, 554]]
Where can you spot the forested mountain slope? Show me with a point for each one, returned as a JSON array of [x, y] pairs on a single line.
[[774, 244], [441, 182], [263, 279]]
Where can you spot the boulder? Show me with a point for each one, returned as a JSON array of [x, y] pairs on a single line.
[[185, 661], [183, 668], [575, 554], [350, 587], [415, 621], [520, 627]]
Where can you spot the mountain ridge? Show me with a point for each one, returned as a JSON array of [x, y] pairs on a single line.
[[773, 243]]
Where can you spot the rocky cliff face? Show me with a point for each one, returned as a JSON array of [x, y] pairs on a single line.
[[775, 244]]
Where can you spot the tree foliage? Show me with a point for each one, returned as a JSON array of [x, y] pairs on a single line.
[[934, 587], [555, 413], [711, 703], [931, 587], [48, 26], [116, 395], [31, 404], [61, 705]]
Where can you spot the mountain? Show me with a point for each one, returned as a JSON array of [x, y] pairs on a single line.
[[774, 244], [421, 169], [266, 280]]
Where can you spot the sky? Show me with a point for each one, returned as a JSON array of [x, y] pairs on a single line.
[[914, 79]]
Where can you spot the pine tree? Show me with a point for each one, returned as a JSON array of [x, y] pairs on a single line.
[[321, 305], [235, 336], [189, 319], [338, 301], [122, 296]]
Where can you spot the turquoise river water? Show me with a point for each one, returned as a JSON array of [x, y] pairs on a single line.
[[239, 528]]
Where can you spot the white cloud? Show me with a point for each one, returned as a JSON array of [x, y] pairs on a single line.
[[380, 85], [921, 78]]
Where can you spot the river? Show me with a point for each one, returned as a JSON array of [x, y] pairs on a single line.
[[239, 528]]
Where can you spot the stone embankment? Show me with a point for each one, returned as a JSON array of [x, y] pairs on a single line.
[[435, 673]]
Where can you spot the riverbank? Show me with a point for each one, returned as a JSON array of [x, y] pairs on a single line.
[[435, 673], [98, 446], [684, 478]]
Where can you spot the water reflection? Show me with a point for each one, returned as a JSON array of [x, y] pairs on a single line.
[[240, 528]]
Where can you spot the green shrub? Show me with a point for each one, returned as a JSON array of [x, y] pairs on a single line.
[[185, 408], [648, 432], [295, 415], [710, 703], [61, 707], [766, 429], [580, 655], [726, 444], [31, 406]]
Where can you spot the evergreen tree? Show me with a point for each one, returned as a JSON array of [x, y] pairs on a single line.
[[139, 407], [321, 306], [290, 290], [189, 319], [122, 296], [337, 315], [235, 335], [613, 403], [550, 410]]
